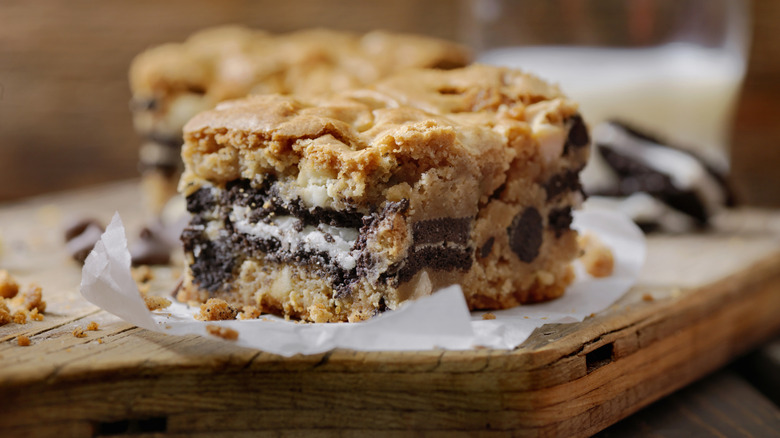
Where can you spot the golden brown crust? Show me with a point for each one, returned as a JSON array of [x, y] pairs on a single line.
[[233, 61]]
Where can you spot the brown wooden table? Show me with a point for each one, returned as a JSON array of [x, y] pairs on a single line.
[[701, 301]]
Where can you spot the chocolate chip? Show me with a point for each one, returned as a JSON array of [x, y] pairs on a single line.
[[151, 249], [81, 236], [525, 234], [560, 220], [485, 251], [578, 133], [447, 229], [563, 182]]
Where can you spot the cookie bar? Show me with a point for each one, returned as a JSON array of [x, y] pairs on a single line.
[[173, 82], [339, 208]]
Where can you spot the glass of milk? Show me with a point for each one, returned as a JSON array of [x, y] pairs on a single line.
[[670, 67]]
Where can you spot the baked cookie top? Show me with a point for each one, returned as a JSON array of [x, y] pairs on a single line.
[[233, 61], [376, 143]]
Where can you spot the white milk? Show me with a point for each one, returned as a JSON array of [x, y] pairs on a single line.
[[682, 92]]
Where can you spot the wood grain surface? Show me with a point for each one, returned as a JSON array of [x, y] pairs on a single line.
[[701, 300], [64, 120]]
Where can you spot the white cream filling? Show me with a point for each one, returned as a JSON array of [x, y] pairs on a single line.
[[283, 229]]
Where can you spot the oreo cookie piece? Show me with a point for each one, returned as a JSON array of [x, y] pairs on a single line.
[[661, 186], [81, 235]]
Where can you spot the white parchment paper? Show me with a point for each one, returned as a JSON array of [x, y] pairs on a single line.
[[441, 320]]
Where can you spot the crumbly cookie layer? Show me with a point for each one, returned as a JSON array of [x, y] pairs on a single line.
[[173, 82], [338, 208]]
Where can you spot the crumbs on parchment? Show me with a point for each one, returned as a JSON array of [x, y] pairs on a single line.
[[216, 310], [153, 302], [222, 332], [249, 312], [596, 257]]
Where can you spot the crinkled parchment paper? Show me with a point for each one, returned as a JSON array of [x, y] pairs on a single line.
[[441, 320]]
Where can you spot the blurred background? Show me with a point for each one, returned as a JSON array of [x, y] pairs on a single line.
[[64, 117]]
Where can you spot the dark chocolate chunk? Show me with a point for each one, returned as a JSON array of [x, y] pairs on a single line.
[[497, 192], [525, 234], [447, 229], [578, 133], [560, 220], [151, 248], [487, 247], [81, 236], [201, 201], [563, 182], [382, 306]]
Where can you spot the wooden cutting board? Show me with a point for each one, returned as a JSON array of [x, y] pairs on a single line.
[[702, 299]]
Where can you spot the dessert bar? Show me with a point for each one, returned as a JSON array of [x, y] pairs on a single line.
[[173, 82], [341, 207]]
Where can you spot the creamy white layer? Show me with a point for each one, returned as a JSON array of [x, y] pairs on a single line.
[[337, 242]]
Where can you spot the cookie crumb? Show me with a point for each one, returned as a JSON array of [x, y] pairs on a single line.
[[5, 314], [8, 285], [222, 332], [647, 297], [489, 315], [216, 310], [22, 341], [142, 274], [596, 257], [100, 340], [35, 315], [154, 302], [20, 317], [78, 332], [92, 326], [249, 312], [32, 298]]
